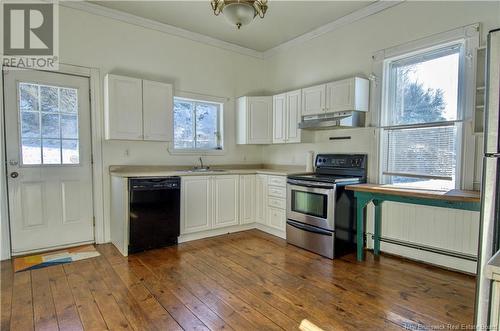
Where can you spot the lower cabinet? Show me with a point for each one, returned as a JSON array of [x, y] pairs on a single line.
[[196, 204], [276, 218], [213, 202], [247, 199], [261, 199], [226, 201]]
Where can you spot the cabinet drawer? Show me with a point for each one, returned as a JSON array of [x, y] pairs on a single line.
[[277, 203], [278, 192], [277, 181], [276, 218]]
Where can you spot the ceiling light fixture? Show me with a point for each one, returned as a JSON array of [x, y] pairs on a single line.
[[239, 12]]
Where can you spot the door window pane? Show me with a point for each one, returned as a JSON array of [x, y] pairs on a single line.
[[70, 153], [51, 151], [28, 97], [31, 150], [69, 126], [68, 100], [30, 124], [48, 124], [49, 98]]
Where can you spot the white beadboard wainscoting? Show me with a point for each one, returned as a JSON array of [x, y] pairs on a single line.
[[449, 231]]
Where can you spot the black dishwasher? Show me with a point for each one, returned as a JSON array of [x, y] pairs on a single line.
[[154, 208]]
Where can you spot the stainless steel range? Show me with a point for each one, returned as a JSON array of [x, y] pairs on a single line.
[[321, 214]]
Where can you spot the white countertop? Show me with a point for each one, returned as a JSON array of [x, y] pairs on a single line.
[[493, 267], [163, 171]]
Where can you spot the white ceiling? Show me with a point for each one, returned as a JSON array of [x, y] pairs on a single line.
[[285, 20]]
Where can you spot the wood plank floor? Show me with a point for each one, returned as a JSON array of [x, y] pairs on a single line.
[[243, 281]]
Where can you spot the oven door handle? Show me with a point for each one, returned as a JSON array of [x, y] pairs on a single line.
[[308, 228], [305, 183]]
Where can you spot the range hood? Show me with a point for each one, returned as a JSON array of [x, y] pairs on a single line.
[[328, 121]]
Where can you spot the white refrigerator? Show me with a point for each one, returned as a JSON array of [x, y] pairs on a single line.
[[490, 192]]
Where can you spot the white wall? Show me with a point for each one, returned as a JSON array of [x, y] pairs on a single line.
[[117, 47], [346, 52]]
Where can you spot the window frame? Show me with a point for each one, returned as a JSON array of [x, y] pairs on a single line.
[[468, 36], [220, 125]]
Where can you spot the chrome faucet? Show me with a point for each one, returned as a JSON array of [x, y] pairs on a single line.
[[201, 163]]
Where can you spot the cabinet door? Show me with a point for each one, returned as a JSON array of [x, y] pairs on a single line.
[[123, 108], [294, 114], [259, 120], [279, 118], [247, 199], [226, 200], [340, 95], [261, 198], [157, 111], [276, 218], [196, 204], [313, 100]]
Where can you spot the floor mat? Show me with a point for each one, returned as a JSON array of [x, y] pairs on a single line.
[[47, 259]]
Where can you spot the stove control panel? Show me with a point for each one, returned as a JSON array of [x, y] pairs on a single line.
[[340, 160]]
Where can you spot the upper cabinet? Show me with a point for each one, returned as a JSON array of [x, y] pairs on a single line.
[[157, 103], [348, 94], [254, 118], [123, 107], [314, 100], [343, 95], [137, 109], [287, 112]]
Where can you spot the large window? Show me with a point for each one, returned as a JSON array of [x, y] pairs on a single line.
[[197, 125], [422, 118]]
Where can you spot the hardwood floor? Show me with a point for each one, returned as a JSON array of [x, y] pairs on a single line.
[[243, 281]]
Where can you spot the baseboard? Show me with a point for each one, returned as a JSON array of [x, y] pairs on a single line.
[[215, 232], [273, 231]]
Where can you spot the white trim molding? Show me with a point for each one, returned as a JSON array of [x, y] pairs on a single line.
[[357, 15]]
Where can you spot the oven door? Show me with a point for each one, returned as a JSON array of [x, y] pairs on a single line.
[[311, 203]]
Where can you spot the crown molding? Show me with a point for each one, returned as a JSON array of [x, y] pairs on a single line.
[[162, 27], [357, 15]]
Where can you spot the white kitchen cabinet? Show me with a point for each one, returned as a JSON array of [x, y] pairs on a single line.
[[276, 218], [261, 198], [287, 111], [347, 94], [254, 120], [314, 100], [279, 118], [137, 109], [226, 201], [157, 111], [247, 199], [196, 204], [123, 107], [495, 305], [294, 115]]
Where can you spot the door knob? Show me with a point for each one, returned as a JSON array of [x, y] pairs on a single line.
[[14, 174]]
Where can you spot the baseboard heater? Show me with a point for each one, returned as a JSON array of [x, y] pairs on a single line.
[[426, 248]]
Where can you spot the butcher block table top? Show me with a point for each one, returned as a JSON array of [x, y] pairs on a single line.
[[377, 194], [452, 195]]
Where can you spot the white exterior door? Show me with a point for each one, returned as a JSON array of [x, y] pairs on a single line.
[[47, 125]]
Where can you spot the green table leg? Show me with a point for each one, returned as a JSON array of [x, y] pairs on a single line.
[[360, 226], [378, 221]]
